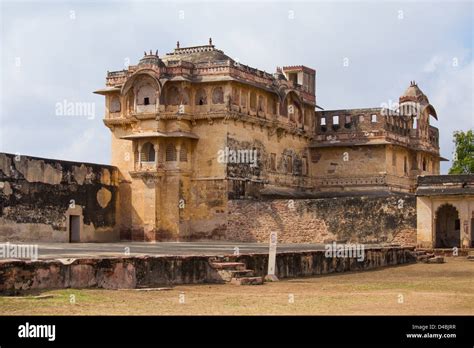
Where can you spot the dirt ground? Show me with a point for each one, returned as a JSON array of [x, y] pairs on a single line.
[[417, 289]]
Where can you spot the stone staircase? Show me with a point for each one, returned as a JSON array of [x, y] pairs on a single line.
[[235, 273], [428, 257]]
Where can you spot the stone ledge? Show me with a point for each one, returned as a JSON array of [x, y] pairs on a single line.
[[150, 271]]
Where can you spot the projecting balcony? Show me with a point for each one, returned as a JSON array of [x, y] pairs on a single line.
[[146, 166], [146, 109]]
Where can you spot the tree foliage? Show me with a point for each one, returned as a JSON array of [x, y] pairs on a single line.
[[463, 159]]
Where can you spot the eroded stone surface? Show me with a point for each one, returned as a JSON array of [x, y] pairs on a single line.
[[119, 273]]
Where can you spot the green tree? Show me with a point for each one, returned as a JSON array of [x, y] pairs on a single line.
[[463, 159]]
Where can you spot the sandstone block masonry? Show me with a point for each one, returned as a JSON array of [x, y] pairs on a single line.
[[364, 219], [51, 200], [171, 116], [148, 271]]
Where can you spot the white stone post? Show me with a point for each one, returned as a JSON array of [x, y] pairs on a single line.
[[272, 258]]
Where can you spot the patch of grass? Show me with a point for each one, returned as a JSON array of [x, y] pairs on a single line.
[[426, 289]]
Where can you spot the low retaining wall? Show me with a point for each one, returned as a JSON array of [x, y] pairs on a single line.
[[148, 271]]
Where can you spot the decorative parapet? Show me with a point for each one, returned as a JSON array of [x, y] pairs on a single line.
[[436, 185], [326, 181]]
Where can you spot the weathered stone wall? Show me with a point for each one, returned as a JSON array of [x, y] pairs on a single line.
[[37, 195], [146, 271], [365, 219]]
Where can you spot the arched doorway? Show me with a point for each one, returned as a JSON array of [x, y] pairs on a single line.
[[448, 227], [472, 229]]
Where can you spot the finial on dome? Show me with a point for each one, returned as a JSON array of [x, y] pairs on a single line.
[[177, 44], [210, 41]]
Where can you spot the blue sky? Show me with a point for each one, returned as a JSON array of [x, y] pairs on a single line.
[[53, 51]]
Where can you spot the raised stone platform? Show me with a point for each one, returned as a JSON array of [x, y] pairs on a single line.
[[154, 271]]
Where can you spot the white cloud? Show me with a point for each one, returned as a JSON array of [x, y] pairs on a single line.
[[432, 64]]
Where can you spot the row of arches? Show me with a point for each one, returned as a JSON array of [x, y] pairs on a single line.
[[147, 95], [169, 153], [143, 93], [174, 95]]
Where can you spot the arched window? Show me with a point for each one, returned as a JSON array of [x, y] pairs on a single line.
[[243, 99], [218, 95], [185, 96], [253, 101], [148, 152], [235, 96], [172, 96], [271, 106], [170, 153], [146, 95], [261, 104], [114, 104], [201, 97], [183, 154]]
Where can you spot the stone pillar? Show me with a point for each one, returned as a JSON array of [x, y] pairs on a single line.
[[178, 153], [209, 98], [139, 146], [156, 148], [464, 224]]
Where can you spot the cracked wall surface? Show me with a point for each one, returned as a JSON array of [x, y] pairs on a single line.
[[365, 219], [37, 194]]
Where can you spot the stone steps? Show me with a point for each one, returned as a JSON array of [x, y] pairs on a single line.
[[236, 273], [243, 273], [436, 259], [228, 265], [227, 274], [428, 257], [247, 281]]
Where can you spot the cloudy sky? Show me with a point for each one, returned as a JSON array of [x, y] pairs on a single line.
[[57, 51]]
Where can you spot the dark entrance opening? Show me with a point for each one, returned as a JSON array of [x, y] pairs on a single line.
[[472, 233], [448, 227], [74, 228]]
